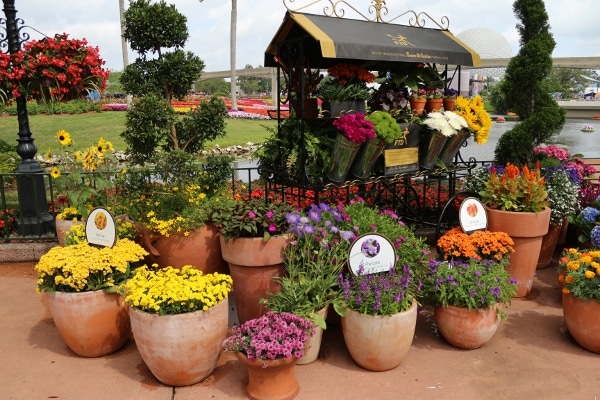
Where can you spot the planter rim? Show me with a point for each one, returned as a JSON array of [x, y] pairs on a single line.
[[413, 306], [188, 314]]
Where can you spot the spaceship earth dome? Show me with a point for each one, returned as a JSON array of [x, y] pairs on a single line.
[[488, 44]]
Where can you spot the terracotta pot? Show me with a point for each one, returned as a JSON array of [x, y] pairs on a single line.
[[181, 349], [92, 324], [313, 346], [433, 105], [253, 264], [417, 106], [564, 228], [449, 103], [526, 229], [583, 321], [464, 328], [549, 242], [62, 228], [200, 249], [379, 343], [271, 379]]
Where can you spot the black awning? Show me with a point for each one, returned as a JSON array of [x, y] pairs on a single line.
[[333, 39]]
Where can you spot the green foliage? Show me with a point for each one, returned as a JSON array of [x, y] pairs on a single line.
[[216, 86], [203, 124], [150, 27], [524, 90], [330, 90], [9, 159], [147, 127], [52, 106], [497, 98]]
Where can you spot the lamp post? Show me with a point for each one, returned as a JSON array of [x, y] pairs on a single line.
[[34, 217]]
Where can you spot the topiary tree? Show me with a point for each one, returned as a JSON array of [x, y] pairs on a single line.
[[524, 90], [151, 29]]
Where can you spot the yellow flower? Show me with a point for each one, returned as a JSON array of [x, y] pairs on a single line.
[[55, 172], [589, 274], [64, 137], [104, 146]]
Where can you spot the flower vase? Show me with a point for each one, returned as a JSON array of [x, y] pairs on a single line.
[[464, 328], [313, 345], [430, 148], [92, 324], [344, 152], [449, 103], [453, 145], [336, 109], [526, 229], [583, 321], [366, 158], [433, 105], [417, 105], [181, 349], [549, 242], [253, 264], [379, 342], [271, 379]]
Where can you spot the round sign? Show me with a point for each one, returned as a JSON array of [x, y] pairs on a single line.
[[472, 215], [100, 228], [371, 253]]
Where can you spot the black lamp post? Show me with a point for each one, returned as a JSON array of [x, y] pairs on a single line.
[[34, 217]]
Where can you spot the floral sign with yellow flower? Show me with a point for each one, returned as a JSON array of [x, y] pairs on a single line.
[[478, 119], [579, 272], [82, 176]]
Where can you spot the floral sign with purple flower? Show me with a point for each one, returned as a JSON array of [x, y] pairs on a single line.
[[270, 337], [372, 253]]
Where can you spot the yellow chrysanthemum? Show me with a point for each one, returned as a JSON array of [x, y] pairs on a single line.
[[64, 137]]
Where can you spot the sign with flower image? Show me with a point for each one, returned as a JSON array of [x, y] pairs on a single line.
[[472, 215], [371, 253], [101, 228]]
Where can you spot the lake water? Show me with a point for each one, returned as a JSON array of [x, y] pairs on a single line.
[[571, 138]]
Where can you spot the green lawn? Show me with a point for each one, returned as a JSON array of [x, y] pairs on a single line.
[[86, 129]]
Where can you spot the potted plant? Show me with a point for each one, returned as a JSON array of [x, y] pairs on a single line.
[[579, 276], [301, 83], [81, 283], [353, 131], [449, 99], [434, 101], [386, 130], [319, 242], [417, 100], [172, 202], [83, 180], [455, 244], [468, 297], [441, 126], [345, 89], [269, 347], [252, 239], [587, 222], [516, 202], [379, 310], [179, 319]]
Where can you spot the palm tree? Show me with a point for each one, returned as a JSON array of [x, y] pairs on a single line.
[[232, 52]]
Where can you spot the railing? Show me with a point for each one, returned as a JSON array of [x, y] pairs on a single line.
[[420, 199]]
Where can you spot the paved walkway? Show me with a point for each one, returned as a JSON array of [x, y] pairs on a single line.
[[530, 357]]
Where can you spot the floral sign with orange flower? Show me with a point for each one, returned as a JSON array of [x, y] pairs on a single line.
[[58, 68]]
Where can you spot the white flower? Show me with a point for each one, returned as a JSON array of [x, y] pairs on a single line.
[[447, 123]]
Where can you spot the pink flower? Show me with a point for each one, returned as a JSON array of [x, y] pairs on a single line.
[[272, 228], [252, 214], [269, 214]]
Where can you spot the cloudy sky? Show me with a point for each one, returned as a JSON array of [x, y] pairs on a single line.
[[574, 26]]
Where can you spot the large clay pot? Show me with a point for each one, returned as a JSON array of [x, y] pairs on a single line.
[[526, 229], [379, 343], [549, 242], [92, 324], [271, 379], [583, 321], [313, 345], [200, 249], [252, 265], [181, 349], [62, 228], [464, 328]]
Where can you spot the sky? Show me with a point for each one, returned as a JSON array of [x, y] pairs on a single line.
[[574, 26]]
